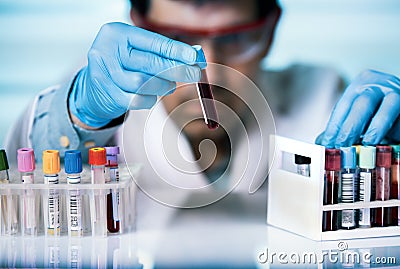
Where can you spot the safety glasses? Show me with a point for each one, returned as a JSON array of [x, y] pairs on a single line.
[[232, 45]]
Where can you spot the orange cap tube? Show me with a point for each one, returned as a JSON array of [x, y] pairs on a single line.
[[51, 162]]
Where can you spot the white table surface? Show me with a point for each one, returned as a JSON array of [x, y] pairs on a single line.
[[231, 233]]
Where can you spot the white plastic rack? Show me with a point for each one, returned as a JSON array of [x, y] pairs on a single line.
[[295, 202], [14, 209]]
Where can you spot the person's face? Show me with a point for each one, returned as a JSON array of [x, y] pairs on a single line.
[[209, 15]]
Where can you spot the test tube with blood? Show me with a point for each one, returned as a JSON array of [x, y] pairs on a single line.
[[205, 94]]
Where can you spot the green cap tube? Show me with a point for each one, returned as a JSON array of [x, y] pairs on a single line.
[[367, 157], [3, 160], [396, 151]]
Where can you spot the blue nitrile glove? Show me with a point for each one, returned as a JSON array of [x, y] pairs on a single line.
[[128, 67], [369, 107]]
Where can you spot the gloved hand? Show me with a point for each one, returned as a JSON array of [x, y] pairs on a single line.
[[369, 107], [128, 67]]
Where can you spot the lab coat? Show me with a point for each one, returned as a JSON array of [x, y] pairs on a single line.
[[300, 99]]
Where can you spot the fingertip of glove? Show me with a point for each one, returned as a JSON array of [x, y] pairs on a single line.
[[200, 57]]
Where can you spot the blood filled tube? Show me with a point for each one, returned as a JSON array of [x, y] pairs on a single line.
[[205, 94], [367, 173], [348, 186], [381, 185], [207, 102], [331, 188], [113, 219], [395, 186]]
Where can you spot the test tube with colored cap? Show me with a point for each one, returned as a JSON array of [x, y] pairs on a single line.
[[73, 169], [205, 94], [26, 167], [51, 168], [97, 161], [9, 220], [347, 186], [330, 220], [367, 173], [381, 185], [113, 219], [395, 186]]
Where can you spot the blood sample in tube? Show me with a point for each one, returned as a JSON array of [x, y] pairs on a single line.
[[207, 102]]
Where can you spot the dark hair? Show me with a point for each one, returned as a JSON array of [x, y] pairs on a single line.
[[264, 6]]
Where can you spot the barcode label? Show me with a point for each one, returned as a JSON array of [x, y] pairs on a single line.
[[114, 174], [54, 209], [348, 196], [75, 204], [51, 179], [348, 218], [348, 189], [365, 186], [365, 195], [54, 203]]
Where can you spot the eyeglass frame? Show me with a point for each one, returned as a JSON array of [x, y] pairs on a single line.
[[168, 30]]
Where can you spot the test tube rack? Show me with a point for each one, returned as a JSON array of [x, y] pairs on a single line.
[[295, 202], [16, 191]]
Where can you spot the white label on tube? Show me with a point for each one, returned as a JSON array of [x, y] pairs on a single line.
[[365, 186], [348, 216], [27, 179], [303, 169], [365, 195], [75, 210], [115, 199], [114, 174], [54, 203]]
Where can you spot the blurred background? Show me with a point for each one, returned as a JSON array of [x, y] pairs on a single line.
[[44, 42]]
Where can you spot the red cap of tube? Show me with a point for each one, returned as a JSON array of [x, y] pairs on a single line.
[[332, 159], [97, 156], [383, 156]]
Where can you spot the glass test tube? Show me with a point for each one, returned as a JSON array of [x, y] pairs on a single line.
[[381, 185], [26, 166], [395, 186], [113, 203], [303, 165], [347, 186], [73, 169], [205, 94], [367, 173], [97, 161], [330, 220], [9, 220], [51, 168]]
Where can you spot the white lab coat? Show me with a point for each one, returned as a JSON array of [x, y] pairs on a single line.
[[301, 99]]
